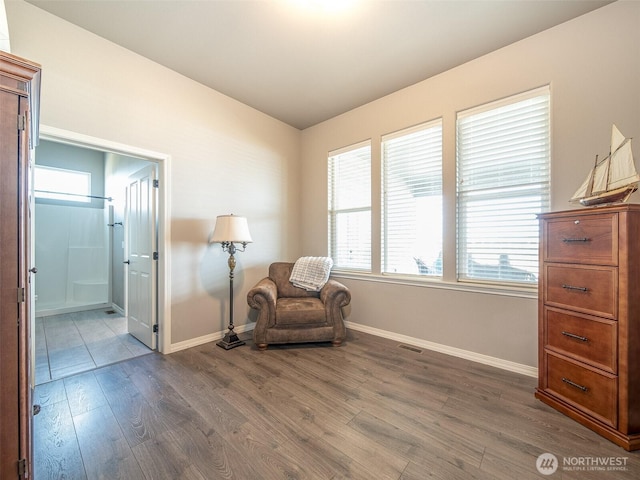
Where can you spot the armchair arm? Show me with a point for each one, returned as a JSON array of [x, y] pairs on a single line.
[[335, 294], [262, 297], [263, 294]]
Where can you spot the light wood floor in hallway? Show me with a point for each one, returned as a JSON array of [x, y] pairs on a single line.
[[71, 343], [367, 410]]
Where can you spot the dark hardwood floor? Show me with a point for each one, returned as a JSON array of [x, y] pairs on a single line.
[[366, 410]]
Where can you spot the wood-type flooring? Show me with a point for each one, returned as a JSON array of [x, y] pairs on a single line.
[[367, 410]]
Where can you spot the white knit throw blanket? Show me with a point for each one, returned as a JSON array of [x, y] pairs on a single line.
[[311, 273]]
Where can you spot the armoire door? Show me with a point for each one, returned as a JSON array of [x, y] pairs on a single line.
[[15, 376]]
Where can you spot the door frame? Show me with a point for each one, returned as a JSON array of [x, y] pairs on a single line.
[[163, 162]]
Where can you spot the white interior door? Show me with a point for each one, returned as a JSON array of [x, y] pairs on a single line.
[[140, 245]]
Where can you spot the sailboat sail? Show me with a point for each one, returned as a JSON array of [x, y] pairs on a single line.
[[613, 179], [623, 170], [617, 138], [582, 191], [600, 176]]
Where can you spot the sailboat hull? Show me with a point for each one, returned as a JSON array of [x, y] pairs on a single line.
[[614, 196]]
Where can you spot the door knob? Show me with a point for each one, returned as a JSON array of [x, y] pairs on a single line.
[[127, 262], [33, 270]]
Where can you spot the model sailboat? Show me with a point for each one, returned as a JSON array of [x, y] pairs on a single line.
[[613, 179]]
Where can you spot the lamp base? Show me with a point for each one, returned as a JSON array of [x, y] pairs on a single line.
[[230, 340]]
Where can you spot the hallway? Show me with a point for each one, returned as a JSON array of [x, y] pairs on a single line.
[[78, 342]]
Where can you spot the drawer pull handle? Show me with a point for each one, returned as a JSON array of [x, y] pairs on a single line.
[[570, 240], [573, 384], [571, 287], [577, 337]]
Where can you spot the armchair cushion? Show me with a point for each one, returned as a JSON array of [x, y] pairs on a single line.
[[300, 311]]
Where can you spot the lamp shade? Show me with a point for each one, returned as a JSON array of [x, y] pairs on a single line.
[[231, 228]]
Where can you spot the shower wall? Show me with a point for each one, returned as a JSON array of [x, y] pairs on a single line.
[[72, 257], [72, 251]]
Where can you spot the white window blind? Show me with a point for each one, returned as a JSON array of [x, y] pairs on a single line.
[[350, 207], [412, 201], [503, 156]]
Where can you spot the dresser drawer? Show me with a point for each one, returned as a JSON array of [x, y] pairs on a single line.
[[586, 239], [586, 289], [592, 392], [587, 339]]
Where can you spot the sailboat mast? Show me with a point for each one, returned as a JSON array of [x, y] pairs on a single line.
[[606, 185], [591, 180]]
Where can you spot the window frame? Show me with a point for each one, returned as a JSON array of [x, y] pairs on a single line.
[[390, 193], [57, 196], [523, 259], [333, 212], [449, 279]]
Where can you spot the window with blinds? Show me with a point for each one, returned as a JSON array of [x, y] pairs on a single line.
[[350, 207], [412, 201], [503, 157]]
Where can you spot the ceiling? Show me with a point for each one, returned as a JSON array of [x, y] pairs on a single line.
[[305, 61]]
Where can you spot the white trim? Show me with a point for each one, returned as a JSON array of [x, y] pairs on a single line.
[[456, 352], [348, 148], [164, 202], [416, 281], [503, 102], [5, 39], [118, 309], [212, 337], [409, 130]]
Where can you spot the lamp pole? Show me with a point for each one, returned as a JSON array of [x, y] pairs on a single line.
[[231, 340]]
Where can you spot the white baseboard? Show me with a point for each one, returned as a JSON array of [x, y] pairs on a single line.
[[456, 352], [212, 337], [436, 347]]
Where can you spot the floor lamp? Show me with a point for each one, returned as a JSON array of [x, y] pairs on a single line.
[[229, 231]]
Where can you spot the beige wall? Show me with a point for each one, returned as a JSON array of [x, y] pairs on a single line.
[[225, 157], [593, 66]]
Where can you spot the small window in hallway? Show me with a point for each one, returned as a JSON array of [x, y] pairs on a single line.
[[62, 184]]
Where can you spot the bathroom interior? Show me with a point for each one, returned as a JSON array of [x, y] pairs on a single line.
[[79, 243]]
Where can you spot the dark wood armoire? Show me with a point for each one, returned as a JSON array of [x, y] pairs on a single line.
[[19, 92]]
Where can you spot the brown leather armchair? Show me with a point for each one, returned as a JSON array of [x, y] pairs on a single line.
[[288, 314]]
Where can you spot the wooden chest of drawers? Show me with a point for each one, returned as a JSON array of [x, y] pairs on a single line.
[[589, 319]]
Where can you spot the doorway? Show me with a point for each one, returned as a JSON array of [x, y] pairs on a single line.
[[93, 306]]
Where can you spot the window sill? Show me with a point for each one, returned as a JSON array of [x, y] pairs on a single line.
[[414, 281]]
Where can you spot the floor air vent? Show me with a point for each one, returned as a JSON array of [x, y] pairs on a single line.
[[110, 312], [409, 347]]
